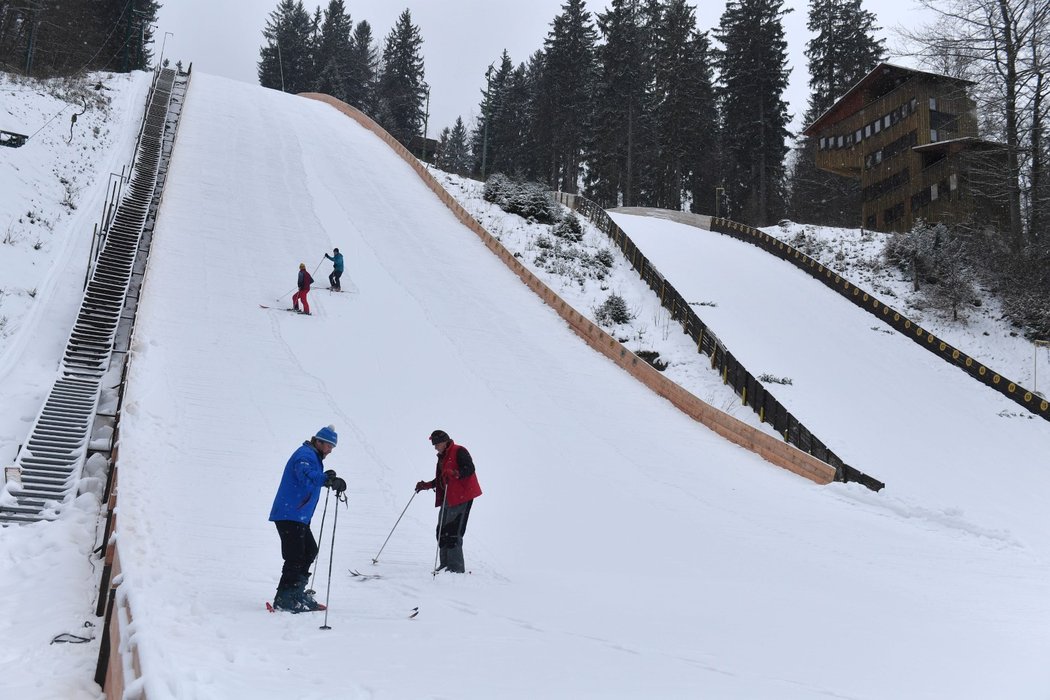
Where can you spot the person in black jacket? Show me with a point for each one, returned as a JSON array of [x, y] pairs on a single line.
[[456, 487]]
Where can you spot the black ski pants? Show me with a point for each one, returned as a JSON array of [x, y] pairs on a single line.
[[299, 549], [333, 279]]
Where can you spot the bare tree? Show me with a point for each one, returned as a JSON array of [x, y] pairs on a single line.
[[1000, 45]]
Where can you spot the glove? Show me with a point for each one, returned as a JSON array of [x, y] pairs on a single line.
[[329, 477], [422, 486], [337, 484]]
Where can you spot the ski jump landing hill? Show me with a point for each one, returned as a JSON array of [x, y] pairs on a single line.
[[620, 549]]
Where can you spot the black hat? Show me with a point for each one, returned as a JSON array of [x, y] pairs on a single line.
[[439, 436]]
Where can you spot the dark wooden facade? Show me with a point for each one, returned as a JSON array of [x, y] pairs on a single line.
[[908, 136]]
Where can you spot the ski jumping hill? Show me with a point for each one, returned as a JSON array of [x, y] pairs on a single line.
[[620, 549]]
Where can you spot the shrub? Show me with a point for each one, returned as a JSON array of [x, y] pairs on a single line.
[[530, 200], [613, 311], [569, 228]]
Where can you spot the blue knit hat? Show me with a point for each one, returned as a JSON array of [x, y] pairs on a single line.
[[327, 434]]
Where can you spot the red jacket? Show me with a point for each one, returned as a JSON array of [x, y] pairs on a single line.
[[455, 469]]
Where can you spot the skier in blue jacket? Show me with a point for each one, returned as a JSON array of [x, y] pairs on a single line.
[[337, 269], [293, 508]]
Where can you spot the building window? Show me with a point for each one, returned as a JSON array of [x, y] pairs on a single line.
[[857, 136], [886, 122], [933, 103], [953, 182], [933, 135], [867, 130], [933, 191], [913, 105], [878, 126]]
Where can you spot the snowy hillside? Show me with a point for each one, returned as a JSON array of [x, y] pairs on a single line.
[[620, 550]]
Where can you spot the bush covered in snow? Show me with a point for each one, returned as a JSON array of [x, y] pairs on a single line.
[[530, 200], [613, 311], [568, 228]]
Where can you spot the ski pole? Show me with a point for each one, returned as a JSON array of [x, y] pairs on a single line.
[[335, 522], [441, 526], [375, 559], [320, 539]]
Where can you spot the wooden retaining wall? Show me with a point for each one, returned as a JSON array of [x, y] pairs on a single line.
[[770, 448]]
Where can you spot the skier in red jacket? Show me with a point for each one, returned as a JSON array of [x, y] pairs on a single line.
[[456, 487], [305, 280]]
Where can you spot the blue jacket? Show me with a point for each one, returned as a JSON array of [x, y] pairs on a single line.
[[300, 487], [337, 261]]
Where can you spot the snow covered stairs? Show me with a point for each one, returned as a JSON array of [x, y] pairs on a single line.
[[49, 465]]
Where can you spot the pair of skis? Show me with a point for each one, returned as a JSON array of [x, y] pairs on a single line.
[[360, 577]]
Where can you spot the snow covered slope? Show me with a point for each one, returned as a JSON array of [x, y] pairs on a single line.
[[879, 400], [619, 550]]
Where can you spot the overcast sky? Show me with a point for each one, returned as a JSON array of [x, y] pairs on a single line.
[[460, 39]]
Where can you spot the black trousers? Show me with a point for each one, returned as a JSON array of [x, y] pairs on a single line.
[[455, 525], [334, 278], [299, 549]]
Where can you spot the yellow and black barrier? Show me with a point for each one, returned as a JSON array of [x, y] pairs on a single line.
[[752, 392], [887, 314]]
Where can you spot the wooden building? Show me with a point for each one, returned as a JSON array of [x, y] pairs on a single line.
[[910, 137]]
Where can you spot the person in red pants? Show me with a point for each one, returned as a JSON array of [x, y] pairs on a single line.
[[305, 280]]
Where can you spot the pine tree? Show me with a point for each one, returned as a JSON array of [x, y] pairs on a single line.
[[334, 52], [58, 37], [567, 83], [400, 91], [286, 61], [363, 71], [619, 96], [684, 111], [453, 153], [499, 137], [842, 51], [753, 75]]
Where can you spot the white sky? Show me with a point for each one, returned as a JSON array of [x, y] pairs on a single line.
[[460, 38]]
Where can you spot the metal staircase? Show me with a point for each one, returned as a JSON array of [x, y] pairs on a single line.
[[49, 465]]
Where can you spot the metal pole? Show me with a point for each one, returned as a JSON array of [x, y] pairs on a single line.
[[160, 61], [1036, 344], [280, 64], [441, 526], [335, 522], [426, 122], [375, 559], [488, 100], [320, 539]]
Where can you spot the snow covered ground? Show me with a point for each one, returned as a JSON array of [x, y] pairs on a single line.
[[982, 331], [619, 550]]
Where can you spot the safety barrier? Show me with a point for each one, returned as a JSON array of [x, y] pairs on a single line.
[[752, 392], [947, 352], [770, 448]]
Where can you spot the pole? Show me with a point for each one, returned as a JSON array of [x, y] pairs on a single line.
[[426, 121], [441, 526], [160, 61], [485, 140], [335, 522], [280, 64], [375, 559], [324, 513], [1035, 362]]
